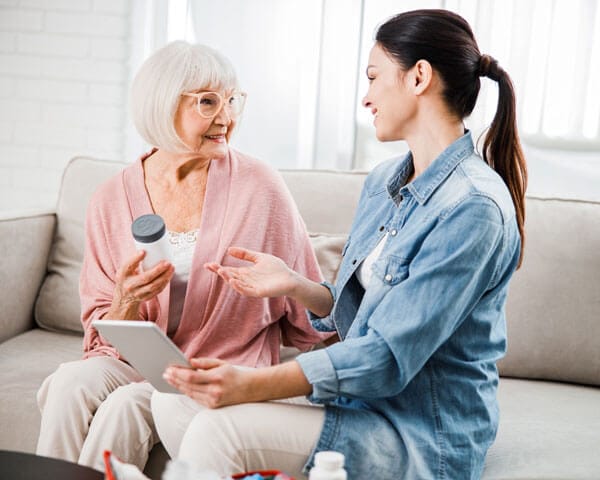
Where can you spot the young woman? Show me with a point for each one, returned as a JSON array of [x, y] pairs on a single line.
[[410, 391]]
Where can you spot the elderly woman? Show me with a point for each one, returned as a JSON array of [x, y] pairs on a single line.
[[186, 102]]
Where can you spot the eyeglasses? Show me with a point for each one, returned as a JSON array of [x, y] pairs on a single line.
[[209, 104]]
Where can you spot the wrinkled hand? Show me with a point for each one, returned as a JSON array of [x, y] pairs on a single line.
[[133, 287], [211, 382], [268, 276]]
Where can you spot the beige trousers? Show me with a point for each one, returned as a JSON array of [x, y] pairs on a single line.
[[253, 436], [93, 405]]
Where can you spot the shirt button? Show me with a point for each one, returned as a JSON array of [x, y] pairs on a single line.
[[393, 232], [388, 278], [381, 228], [354, 262]]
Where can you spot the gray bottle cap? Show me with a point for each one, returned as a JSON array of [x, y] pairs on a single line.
[[148, 228]]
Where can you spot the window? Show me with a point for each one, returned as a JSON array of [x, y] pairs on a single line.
[[302, 63]]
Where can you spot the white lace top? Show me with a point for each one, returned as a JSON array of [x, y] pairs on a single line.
[[182, 253]]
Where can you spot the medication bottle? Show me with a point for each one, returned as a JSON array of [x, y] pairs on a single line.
[[328, 466], [150, 234]]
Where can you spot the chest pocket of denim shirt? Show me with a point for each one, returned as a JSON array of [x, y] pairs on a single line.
[[391, 270]]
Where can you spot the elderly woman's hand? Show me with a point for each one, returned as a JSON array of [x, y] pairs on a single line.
[[267, 276], [133, 287]]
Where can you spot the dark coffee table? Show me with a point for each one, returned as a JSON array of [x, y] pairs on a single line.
[[26, 466]]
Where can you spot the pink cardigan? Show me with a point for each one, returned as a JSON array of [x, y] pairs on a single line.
[[248, 205]]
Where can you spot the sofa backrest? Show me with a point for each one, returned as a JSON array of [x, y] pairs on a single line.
[[553, 310], [57, 306], [326, 200]]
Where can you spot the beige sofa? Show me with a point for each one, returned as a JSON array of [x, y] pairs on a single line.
[[550, 386]]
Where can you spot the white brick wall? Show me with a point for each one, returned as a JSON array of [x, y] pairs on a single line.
[[63, 80]]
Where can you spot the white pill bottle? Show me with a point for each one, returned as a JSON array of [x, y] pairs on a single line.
[[150, 234], [328, 466]]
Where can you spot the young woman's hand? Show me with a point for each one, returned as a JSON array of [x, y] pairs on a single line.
[[133, 287], [266, 276], [215, 383], [211, 382]]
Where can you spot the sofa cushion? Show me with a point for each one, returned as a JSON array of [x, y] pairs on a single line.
[[553, 309], [328, 250], [547, 430], [26, 360], [326, 199], [57, 306], [38, 353]]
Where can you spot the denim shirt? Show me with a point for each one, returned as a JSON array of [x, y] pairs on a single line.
[[410, 392]]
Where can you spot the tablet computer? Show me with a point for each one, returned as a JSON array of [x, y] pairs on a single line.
[[145, 347]]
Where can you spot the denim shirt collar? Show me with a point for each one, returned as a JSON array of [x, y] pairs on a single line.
[[425, 184]]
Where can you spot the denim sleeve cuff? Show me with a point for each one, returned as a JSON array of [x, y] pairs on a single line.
[[323, 324], [319, 371]]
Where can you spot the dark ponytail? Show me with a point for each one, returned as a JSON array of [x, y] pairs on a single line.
[[501, 147], [447, 42]]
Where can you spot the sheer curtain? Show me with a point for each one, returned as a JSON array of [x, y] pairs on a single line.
[[297, 61], [275, 49], [302, 63], [551, 49]]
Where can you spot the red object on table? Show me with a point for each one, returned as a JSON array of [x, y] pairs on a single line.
[[264, 473]]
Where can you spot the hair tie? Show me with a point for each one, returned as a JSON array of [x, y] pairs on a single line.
[[488, 67]]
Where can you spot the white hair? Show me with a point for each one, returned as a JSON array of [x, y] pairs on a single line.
[[172, 70]]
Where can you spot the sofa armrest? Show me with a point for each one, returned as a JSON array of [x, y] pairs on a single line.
[[25, 241]]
